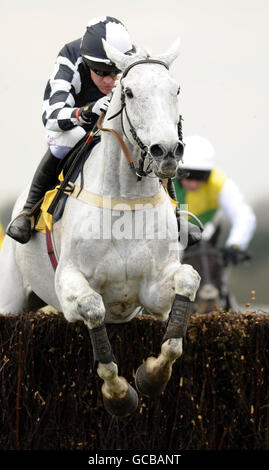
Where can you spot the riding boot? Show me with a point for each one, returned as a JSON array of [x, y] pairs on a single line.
[[44, 179]]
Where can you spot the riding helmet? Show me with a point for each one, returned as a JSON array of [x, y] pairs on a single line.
[[114, 32], [199, 158]]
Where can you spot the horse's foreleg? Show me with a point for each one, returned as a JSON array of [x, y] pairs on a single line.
[[120, 398], [80, 302], [153, 375]]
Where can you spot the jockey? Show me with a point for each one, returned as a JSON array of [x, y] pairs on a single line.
[[205, 189], [77, 92]]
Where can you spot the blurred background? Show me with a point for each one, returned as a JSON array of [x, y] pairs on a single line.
[[223, 71]]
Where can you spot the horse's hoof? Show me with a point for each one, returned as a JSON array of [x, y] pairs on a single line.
[[145, 385], [124, 406]]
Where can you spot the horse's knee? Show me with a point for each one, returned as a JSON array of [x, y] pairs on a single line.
[[108, 371], [91, 308], [187, 281]]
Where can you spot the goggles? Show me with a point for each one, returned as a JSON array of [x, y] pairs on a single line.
[[199, 175], [103, 73]]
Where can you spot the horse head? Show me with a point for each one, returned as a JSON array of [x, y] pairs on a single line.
[[150, 106]]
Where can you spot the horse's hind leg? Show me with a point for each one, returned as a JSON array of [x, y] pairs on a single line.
[[152, 376], [13, 294], [80, 302]]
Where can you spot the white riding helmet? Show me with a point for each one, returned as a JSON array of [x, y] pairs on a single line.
[[199, 154]]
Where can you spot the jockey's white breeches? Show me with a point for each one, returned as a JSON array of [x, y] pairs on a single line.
[[61, 142]]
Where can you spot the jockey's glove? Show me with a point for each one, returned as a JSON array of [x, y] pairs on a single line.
[[88, 114], [101, 105], [234, 255], [85, 115], [194, 232]]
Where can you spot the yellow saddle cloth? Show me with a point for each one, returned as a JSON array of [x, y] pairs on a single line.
[[45, 219]]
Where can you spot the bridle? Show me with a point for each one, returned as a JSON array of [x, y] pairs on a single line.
[[140, 171]]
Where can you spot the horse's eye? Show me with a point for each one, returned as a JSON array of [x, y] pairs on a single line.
[[129, 93], [178, 91]]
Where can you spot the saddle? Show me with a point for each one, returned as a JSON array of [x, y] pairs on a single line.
[[70, 168]]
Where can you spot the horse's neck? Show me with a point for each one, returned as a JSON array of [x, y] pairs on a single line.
[[115, 177]]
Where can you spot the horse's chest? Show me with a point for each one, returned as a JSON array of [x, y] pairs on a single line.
[[117, 271], [118, 276], [121, 266], [119, 287]]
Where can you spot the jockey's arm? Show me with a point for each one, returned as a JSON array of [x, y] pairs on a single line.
[[59, 110], [240, 214]]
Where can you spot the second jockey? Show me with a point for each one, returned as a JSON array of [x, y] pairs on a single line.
[[206, 189]]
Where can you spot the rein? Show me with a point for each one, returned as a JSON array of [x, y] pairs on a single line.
[[139, 172], [121, 142]]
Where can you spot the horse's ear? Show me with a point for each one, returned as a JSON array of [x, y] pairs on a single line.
[[169, 56], [117, 57]]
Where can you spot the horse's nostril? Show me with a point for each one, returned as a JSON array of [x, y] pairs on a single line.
[[179, 150], [156, 150]]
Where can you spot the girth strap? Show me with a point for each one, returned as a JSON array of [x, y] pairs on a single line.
[[50, 249]]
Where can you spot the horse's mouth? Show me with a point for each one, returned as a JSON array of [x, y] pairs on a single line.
[[164, 175], [169, 173], [166, 168]]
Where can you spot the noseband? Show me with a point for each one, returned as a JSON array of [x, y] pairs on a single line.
[[140, 172]]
